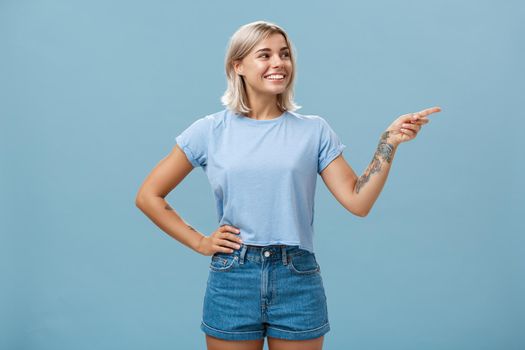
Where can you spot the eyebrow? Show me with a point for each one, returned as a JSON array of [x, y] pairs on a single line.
[[268, 49]]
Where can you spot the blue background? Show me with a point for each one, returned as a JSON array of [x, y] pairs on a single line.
[[93, 94]]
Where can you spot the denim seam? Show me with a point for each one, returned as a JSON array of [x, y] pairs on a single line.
[[241, 332], [224, 268], [310, 330], [307, 272]]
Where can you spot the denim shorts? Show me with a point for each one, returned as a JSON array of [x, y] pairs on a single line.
[[259, 291]]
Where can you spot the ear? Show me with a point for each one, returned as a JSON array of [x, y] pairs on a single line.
[[237, 66]]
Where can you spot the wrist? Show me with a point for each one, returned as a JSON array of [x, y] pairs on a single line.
[[199, 245], [386, 147], [387, 137]]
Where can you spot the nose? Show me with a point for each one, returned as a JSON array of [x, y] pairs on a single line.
[[276, 61]]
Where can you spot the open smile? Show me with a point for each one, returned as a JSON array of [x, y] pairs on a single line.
[[275, 77]]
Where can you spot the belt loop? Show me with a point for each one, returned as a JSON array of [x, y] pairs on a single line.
[[243, 253], [285, 260]]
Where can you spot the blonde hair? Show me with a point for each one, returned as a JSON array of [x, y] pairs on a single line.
[[240, 45]]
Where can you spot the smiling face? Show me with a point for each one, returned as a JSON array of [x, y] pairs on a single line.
[[267, 68]]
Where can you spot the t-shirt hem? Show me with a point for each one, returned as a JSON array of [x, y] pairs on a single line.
[[331, 157], [187, 151]]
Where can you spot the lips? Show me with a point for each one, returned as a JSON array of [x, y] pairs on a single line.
[[275, 78]]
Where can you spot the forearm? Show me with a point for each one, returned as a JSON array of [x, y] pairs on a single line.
[[166, 218], [369, 185]]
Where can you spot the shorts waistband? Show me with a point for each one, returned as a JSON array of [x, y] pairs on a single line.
[[269, 252]]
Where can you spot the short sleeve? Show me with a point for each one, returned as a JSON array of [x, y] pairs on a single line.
[[330, 145], [194, 141]]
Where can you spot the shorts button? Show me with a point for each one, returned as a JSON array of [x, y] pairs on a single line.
[[266, 253]]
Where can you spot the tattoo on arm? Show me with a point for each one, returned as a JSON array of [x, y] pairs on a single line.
[[383, 153], [167, 207]]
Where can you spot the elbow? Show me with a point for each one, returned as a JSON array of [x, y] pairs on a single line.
[[358, 212], [356, 205], [143, 200], [361, 212], [357, 208], [140, 199]]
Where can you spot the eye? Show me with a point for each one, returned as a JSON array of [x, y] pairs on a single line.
[[286, 54]]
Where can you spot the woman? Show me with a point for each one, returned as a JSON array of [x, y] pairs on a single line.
[[262, 159]]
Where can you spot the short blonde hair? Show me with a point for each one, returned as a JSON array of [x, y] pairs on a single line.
[[241, 44]]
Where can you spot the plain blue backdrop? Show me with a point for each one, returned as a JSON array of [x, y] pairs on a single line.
[[93, 93]]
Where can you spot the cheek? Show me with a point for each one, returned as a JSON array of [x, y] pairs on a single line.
[[261, 71]]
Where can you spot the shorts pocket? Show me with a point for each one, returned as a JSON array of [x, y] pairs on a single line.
[[222, 262], [304, 263]]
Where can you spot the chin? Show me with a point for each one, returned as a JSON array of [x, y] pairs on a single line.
[[276, 91]]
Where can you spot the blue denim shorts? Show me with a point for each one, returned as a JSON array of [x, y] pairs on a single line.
[[259, 291]]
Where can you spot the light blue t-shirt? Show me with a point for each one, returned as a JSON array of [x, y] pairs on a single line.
[[263, 172]]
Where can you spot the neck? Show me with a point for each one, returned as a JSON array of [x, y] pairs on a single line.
[[263, 107]]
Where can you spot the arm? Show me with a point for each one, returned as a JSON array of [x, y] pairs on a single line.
[[358, 194], [168, 173]]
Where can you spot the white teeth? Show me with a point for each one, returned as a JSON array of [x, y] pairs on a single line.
[[275, 77]]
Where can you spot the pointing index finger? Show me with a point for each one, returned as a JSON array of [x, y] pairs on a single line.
[[428, 111]]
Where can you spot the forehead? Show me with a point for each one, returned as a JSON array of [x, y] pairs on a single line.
[[275, 41]]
